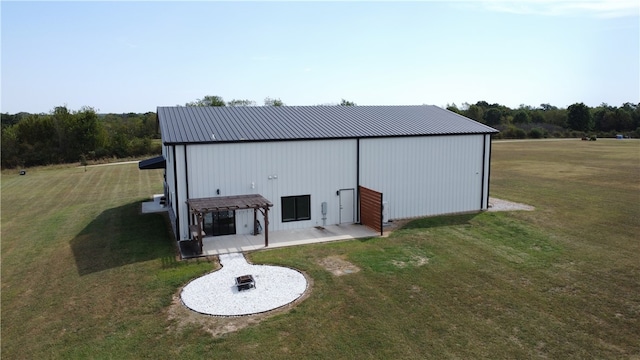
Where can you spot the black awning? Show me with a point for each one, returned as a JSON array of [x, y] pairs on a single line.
[[157, 162]]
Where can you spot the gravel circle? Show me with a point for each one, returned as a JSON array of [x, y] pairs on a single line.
[[216, 292]]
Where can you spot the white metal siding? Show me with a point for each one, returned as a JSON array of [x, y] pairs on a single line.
[[421, 176], [170, 176], [274, 169], [181, 197]]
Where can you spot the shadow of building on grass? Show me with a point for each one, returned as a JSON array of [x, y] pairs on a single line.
[[122, 236], [441, 220]]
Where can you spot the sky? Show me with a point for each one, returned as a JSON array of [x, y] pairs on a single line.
[[122, 56]]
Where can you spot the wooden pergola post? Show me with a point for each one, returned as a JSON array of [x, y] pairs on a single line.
[[266, 226], [200, 231], [265, 214], [255, 221]]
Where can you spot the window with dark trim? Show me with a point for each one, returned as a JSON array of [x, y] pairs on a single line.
[[296, 208]]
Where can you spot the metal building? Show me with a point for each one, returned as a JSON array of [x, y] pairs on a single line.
[[238, 170]]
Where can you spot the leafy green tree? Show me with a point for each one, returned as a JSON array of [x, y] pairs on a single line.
[[492, 117], [521, 117], [601, 118], [119, 144], [536, 133], [83, 133], [555, 116], [547, 107], [633, 108], [273, 102], [347, 103], [537, 116], [240, 102], [476, 113], [208, 100], [483, 104], [454, 108], [579, 117], [38, 146], [10, 147], [61, 117], [620, 119], [8, 119], [149, 126], [74, 133]]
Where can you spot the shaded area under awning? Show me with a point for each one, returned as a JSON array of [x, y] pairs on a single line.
[[198, 207], [157, 162]]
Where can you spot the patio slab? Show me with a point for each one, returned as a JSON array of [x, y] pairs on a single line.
[[240, 243], [154, 206]]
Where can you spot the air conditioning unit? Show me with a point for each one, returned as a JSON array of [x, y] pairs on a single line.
[[385, 212]]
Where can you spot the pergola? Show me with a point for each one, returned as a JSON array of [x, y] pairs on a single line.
[[201, 206]]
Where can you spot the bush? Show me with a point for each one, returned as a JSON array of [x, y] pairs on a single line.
[[139, 146], [557, 134], [576, 134], [537, 133]]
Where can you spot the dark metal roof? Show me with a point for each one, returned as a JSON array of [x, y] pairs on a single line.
[[157, 162], [181, 125]]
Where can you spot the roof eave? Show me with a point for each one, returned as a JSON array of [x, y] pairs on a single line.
[[171, 143]]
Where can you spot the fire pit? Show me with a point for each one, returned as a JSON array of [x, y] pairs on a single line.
[[245, 282]]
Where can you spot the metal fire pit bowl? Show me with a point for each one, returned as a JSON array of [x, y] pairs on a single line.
[[245, 282]]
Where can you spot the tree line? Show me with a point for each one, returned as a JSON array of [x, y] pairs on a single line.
[[66, 136], [577, 120], [215, 100]]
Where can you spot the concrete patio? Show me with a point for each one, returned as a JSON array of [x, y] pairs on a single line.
[[154, 206], [240, 243], [228, 244]]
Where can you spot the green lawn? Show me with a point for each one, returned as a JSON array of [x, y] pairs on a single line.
[[84, 275]]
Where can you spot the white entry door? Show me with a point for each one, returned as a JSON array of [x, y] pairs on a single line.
[[347, 206]]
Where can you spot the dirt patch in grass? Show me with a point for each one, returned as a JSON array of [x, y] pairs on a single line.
[[182, 317], [338, 266], [415, 261]]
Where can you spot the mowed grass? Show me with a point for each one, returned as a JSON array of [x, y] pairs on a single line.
[[84, 275]]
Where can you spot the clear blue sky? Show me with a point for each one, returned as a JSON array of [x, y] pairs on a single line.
[[134, 56]]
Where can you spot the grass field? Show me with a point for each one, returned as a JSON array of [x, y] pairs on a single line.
[[84, 275]]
